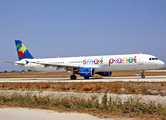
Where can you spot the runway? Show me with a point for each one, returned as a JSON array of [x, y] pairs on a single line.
[[102, 79]]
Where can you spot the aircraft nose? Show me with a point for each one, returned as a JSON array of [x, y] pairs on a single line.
[[161, 63]]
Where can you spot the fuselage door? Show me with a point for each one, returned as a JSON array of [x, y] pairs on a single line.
[[140, 60], [106, 62]]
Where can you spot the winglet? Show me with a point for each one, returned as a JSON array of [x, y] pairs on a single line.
[[22, 51]]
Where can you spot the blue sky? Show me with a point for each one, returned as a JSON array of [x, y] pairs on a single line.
[[52, 28]]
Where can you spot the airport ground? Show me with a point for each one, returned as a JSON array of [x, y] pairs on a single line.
[[32, 74], [120, 83]]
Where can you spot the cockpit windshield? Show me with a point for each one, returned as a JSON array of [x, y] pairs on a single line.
[[153, 58]]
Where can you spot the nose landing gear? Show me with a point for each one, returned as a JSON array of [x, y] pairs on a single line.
[[142, 74]]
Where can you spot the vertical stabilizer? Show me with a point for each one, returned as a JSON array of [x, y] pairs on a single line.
[[22, 51]]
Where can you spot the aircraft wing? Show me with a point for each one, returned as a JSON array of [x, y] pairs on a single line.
[[59, 66]]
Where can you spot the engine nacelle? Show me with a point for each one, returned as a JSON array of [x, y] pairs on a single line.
[[86, 72], [105, 73]]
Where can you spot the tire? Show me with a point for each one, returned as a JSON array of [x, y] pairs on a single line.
[[86, 77], [143, 76], [73, 77]]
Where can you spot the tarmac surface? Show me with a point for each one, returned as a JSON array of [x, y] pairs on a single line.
[[38, 114], [102, 79]]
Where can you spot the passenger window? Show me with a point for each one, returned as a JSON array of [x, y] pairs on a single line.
[[150, 58]]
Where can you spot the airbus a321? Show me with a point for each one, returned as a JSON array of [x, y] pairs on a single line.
[[87, 66]]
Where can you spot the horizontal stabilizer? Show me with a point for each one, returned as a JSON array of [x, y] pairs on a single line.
[[14, 63], [7, 62]]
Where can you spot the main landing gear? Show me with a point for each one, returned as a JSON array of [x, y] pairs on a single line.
[[86, 77], [142, 74], [73, 77]]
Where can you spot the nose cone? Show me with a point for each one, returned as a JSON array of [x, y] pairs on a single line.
[[161, 64]]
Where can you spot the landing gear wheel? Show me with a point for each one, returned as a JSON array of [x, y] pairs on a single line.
[[142, 76], [86, 77], [73, 77]]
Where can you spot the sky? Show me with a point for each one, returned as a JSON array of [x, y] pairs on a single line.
[[71, 28]]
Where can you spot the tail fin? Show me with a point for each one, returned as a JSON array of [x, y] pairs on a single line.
[[22, 51]]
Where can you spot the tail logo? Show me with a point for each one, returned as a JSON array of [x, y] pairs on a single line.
[[21, 50]]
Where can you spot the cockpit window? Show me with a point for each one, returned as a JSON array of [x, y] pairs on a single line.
[[153, 58]]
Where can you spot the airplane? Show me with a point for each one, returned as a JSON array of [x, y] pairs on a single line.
[[87, 66]]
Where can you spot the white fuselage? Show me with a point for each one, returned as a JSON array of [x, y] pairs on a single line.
[[128, 62]]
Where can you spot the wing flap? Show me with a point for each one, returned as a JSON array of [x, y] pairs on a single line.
[[59, 66], [67, 67]]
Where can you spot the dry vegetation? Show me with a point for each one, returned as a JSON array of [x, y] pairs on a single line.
[[145, 88]]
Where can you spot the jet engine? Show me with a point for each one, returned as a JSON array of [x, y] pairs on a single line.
[[86, 72], [105, 73]]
